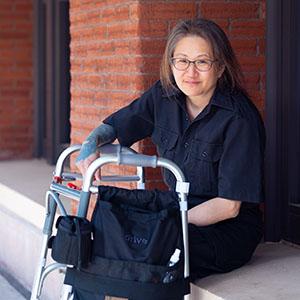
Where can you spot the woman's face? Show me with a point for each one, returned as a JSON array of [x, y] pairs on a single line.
[[195, 84]]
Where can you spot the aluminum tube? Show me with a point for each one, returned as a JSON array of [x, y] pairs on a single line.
[[165, 163], [96, 164], [37, 285], [60, 161], [49, 269], [65, 191]]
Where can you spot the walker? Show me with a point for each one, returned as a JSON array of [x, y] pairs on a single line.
[[61, 186]]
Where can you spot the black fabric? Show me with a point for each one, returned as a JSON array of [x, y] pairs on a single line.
[[142, 227], [220, 152], [81, 294], [90, 286], [131, 270], [135, 234], [72, 243], [154, 200], [224, 246]]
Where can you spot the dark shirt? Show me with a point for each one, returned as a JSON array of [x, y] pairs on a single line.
[[221, 151]]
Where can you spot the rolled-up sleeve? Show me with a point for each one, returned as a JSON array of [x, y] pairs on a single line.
[[241, 167], [135, 121]]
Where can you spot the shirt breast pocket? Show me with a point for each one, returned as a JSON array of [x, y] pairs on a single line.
[[166, 141], [203, 163]]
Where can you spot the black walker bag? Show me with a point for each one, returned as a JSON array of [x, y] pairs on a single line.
[[135, 234], [73, 241]]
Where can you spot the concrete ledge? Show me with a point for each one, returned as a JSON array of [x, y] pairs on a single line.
[[199, 293], [8, 291], [20, 238], [273, 273], [22, 206]]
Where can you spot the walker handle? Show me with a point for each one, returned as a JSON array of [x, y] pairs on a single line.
[[138, 160]]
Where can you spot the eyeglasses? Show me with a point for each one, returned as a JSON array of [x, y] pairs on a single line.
[[182, 64]]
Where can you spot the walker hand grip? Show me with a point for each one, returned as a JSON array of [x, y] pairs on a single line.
[[138, 160]]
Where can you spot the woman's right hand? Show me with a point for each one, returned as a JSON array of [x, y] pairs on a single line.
[[83, 165], [87, 154], [89, 150]]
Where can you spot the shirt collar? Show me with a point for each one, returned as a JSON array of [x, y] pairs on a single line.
[[219, 98]]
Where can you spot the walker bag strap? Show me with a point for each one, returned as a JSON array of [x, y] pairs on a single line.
[[132, 270], [133, 290]]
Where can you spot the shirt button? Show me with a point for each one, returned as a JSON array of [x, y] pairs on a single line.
[[204, 154], [186, 145]]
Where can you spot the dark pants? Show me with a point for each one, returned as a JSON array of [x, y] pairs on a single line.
[[221, 247]]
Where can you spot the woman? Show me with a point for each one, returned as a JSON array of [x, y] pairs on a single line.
[[200, 117]]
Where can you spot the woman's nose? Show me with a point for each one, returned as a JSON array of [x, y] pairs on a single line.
[[192, 69]]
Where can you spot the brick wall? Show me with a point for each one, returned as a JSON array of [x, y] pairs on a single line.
[[116, 49], [244, 23], [15, 79]]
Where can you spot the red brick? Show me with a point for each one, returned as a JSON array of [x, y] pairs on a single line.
[[166, 10], [150, 65], [212, 9], [124, 47], [86, 5], [263, 81], [159, 184], [135, 11], [84, 34], [257, 96], [27, 6], [244, 46], [15, 55], [263, 9], [249, 28], [119, 82], [23, 44], [13, 74], [99, 49], [223, 23], [250, 64], [5, 63], [6, 7], [6, 26], [252, 81], [21, 65], [4, 82], [145, 81], [262, 46], [77, 19], [153, 29], [115, 14], [25, 83], [120, 64], [149, 47], [23, 26], [78, 50], [93, 17], [87, 81], [15, 35], [122, 30], [15, 93]]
